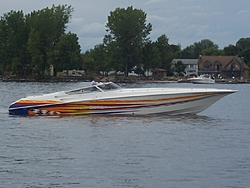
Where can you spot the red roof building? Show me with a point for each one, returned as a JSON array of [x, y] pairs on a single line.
[[226, 66]]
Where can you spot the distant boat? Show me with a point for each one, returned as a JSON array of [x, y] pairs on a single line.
[[202, 79]]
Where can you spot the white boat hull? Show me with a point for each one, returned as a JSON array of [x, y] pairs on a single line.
[[202, 80], [144, 101]]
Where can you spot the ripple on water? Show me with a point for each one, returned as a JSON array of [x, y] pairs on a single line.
[[207, 150]]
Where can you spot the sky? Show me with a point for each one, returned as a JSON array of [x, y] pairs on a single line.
[[184, 22]]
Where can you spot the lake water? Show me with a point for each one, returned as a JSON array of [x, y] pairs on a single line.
[[211, 149]]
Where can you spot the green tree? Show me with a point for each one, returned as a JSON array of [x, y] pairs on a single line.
[[35, 50], [66, 54], [3, 46], [88, 62], [128, 28], [243, 45], [205, 47], [151, 57], [163, 47], [167, 52], [188, 53], [48, 25], [28, 41], [99, 54], [179, 67], [212, 51], [114, 59], [14, 36], [231, 50]]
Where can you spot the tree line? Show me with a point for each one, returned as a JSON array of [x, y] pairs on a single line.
[[32, 43]]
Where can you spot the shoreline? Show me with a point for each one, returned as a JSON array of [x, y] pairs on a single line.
[[121, 80]]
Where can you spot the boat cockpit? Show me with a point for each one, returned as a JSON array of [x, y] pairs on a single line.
[[101, 87]]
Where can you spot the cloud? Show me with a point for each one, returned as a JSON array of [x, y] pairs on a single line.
[[244, 13], [152, 2], [93, 29], [88, 43], [183, 21], [90, 34]]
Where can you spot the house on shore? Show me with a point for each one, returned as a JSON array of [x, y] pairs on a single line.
[[191, 66], [159, 73], [226, 66]]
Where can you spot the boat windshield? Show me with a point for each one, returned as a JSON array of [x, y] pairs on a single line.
[[103, 87], [107, 86]]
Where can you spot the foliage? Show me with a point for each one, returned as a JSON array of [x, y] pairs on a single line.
[[128, 29], [243, 46], [167, 52], [179, 67], [30, 44], [159, 54], [28, 41], [88, 61], [203, 47], [66, 53], [13, 37], [231, 50], [151, 56]]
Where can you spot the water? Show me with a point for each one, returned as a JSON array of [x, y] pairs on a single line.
[[211, 149]]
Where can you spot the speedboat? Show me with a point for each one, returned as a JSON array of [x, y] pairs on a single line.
[[109, 98], [202, 79]]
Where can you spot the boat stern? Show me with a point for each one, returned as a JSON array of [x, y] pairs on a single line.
[[15, 109], [25, 107]]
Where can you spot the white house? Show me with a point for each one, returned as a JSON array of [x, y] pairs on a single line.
[[191, 65]]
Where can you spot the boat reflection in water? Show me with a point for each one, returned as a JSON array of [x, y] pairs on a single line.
[[109, 98]]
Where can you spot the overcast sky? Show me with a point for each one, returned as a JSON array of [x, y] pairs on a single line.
[[182, 21]]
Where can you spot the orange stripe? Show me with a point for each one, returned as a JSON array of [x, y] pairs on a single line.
[[103, 102], [110, 102]]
